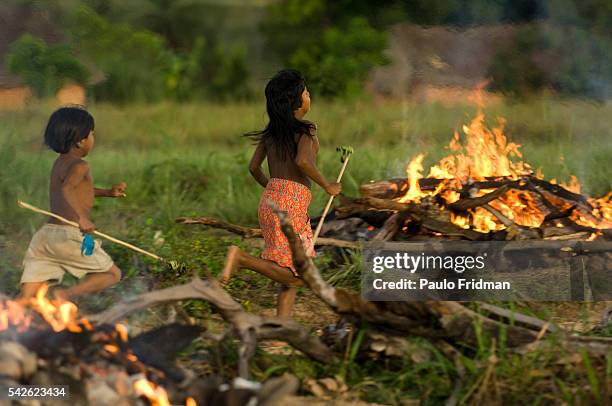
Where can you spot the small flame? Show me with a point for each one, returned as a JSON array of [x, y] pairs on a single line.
[[573, 186], [415, 172], [155, 394], [123, 331], [59, 314], [113, 349]]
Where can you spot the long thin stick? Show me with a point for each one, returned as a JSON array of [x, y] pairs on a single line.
[[329, 203], [99, 234]]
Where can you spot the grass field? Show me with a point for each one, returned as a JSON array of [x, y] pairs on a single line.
[[190, 159]]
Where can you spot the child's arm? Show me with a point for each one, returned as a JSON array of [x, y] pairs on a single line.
[[255, 165], [117, 190], [306, 160], [75, 176]]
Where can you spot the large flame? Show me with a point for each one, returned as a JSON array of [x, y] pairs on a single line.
[[483, 154], [59, 314]]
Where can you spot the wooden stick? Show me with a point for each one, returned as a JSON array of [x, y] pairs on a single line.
[[329, 203], [98, 233], [248, 232]]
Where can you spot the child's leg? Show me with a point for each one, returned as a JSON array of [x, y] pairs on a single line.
[[28, 290], [236, 259], [93, 282], [286, 299]]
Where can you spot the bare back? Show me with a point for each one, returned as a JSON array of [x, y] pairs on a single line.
[[286, 168], [71, 189]]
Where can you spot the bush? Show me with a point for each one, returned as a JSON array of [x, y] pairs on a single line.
[[133, 62], [43, 67], [340, 63]]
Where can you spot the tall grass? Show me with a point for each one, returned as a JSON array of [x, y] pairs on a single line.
[[190, 159]]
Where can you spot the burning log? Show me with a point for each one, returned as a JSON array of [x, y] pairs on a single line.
[[394, 188], [434, 216]]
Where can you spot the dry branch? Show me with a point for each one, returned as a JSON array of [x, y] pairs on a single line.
[[249, 232], [246, 232], [391, 226], [248, 327], [503, 219]]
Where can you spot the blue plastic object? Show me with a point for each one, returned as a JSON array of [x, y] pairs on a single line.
[[87, 247]]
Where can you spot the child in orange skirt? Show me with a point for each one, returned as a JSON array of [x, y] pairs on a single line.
[[290, 145]]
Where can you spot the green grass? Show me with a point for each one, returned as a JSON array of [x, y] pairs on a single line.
[[190, 159]]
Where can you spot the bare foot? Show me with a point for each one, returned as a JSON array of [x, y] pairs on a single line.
[[232, 262]]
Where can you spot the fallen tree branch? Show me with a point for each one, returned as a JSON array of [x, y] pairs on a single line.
[[248, 327], [246, 232], [393, 188], [249, 232]]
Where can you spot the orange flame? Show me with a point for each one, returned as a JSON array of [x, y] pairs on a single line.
[[415, 172], [60, 315], [486, 154], [155, 394]]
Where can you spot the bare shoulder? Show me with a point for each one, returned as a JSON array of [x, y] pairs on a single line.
[[78, 167], [76, 171]]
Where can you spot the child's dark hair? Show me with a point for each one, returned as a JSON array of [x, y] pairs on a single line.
[[283, 97], [66, 127]]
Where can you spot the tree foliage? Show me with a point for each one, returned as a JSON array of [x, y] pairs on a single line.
[[45, 68], [179, 44], [333, 43]]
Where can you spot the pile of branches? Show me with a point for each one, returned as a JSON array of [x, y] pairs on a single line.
[[391, 220]]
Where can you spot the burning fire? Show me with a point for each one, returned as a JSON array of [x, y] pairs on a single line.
[[60, 315], [485, 154], [63, 315], [156, 394]]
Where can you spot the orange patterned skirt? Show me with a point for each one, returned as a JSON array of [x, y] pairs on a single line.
[[294, 198]]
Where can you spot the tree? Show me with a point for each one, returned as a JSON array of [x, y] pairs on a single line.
[[45, 68], [334, 44]]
